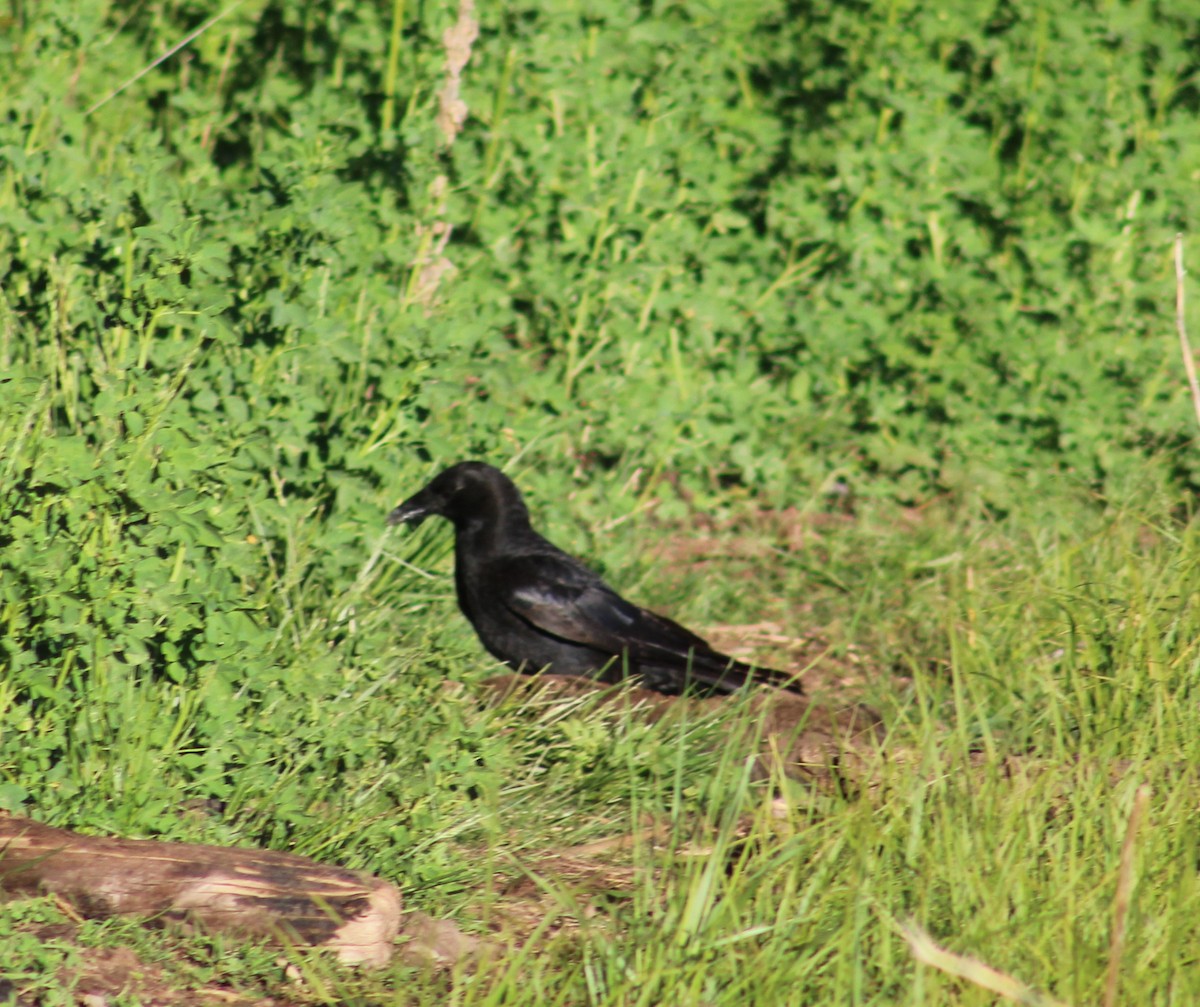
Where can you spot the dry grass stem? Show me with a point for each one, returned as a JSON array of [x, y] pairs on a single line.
[[1189, 361], [1124, 891], [974, 971], [458, 40], [431, 266]]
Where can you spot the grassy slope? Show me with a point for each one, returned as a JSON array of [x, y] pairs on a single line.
[[677, 267]]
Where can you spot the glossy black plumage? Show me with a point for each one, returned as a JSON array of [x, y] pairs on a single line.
[[536, 608]]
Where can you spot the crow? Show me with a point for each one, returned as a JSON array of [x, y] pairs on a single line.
[[538, 609]]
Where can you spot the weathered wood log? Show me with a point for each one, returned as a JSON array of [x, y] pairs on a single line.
[[284, 898]]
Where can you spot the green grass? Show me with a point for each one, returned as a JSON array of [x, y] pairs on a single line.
[[852, 320], [1044, 674]]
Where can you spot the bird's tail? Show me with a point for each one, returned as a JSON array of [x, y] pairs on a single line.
[[715, 673]]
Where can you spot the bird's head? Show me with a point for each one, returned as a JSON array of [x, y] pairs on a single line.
[[467, 494]]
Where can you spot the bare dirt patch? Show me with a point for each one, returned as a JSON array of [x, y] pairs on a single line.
[[844, 672], [815, 739], [108, 975]]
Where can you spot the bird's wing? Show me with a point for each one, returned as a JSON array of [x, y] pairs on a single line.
[[563, 598]]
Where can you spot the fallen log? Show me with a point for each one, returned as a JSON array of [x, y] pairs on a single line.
[[284, 898]]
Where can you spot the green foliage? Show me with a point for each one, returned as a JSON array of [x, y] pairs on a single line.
[[708, 258]]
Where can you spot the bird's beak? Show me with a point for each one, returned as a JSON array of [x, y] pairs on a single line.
[[413, 511]]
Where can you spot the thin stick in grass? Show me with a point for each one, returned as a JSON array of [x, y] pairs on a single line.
[[1124, 887], [165, 56], [1189, 361]]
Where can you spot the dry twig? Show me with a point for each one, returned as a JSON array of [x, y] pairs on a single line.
[[431, 266]]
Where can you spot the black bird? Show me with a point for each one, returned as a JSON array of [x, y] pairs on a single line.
[[536, 608]]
